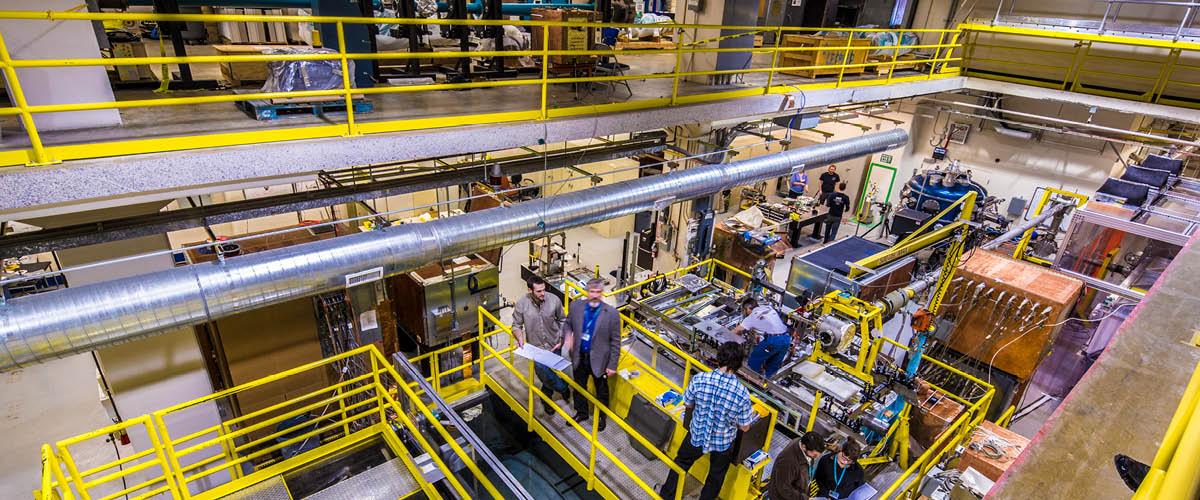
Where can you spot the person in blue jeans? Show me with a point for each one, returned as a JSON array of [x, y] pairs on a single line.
[[538, 318], [772, 349]]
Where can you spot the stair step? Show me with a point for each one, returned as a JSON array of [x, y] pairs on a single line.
[[387, 481], [268, 489]]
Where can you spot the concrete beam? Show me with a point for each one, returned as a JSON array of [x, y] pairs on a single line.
[[97, 184]]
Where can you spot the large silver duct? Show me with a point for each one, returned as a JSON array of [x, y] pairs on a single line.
[[40, 327]]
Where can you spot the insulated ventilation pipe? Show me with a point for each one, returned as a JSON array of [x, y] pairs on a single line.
[[45, 326]]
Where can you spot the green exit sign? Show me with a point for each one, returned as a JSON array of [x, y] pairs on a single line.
[[885, 158]]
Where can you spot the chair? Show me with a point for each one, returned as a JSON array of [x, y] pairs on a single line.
[[607, 65]]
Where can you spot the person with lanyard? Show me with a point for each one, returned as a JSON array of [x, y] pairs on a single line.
[[593, 337], [717, 406], [772, 350], [839, 474], [837, 202], [799, 183], [538, 318], [791, 476]]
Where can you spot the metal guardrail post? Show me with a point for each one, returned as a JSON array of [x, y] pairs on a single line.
[[996, 19], [171, 461], [35, 140], [774, 59], [1187, 17], [845, 57], [937, 52], [812, 413], [1103, 20], [678, 67], [545, 114], [74, 472], [341, 35]]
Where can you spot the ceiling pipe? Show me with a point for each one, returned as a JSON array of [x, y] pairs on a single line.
[[50, 325], [1073, 123]]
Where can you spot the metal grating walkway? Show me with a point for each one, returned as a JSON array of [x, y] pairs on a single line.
[[653, 472], [387, 481], [268, 489]]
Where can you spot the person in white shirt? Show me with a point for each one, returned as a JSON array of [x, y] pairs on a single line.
[[775, 342]]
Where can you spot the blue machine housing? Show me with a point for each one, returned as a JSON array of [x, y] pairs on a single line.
[[942, 187]]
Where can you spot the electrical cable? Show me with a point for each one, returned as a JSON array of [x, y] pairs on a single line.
[[1063, 322], [116, 420]]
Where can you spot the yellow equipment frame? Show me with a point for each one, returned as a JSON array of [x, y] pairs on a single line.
[[1020, 252], [917, 241]]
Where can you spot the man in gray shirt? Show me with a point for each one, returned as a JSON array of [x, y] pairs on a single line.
[[538, 318]]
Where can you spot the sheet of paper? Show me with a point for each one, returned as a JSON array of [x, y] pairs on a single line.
[[864, 492], [542, 356]]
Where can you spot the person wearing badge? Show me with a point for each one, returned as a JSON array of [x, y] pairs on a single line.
[[593, 337], [839, 474]]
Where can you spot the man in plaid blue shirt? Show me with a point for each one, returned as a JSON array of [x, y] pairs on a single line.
[[719, 405]]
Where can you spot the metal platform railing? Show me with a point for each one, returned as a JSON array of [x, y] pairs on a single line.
[[243, 451], [40, 154], [1137, 69]]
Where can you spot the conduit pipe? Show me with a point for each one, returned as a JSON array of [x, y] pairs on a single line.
[[45, 326], [1072, 123]]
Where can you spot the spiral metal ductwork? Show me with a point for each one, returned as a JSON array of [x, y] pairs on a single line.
[[51, 325]]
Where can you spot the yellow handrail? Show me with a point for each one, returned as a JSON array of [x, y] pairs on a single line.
[[39, 153], [1169, 476], [597, 408], [360, 399]]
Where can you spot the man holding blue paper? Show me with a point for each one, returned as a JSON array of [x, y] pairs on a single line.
[[593, 336]]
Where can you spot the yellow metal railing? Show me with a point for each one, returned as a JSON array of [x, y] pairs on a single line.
[[1140, 69], [39, 153], [506, 359], [248, 448], [1173, 472]]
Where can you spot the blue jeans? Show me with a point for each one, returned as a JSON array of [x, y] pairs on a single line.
[[551, 382], [769, 354]]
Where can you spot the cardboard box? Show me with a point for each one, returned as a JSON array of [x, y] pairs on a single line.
[[978, 459], [237, 72], [563, 37], [132, 73]]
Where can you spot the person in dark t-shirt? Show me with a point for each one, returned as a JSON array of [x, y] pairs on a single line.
[[837, 203], [839, 474], [829, 180]]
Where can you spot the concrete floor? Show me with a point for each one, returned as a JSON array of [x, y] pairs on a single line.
[[1124, 402], [195, 119]]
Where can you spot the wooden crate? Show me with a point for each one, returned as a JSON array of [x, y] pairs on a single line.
[[832, 50], [992, 468], [565, 38], [1002, 337], [236, 73]]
